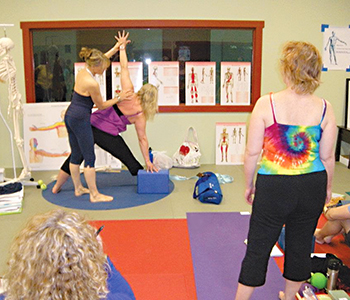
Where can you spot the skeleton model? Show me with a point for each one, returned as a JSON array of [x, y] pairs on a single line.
[[8, 74]]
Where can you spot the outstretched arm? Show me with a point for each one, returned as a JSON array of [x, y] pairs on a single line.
[[45, 128], [113, 50], [341, 41], [140, 126], [126, 82]]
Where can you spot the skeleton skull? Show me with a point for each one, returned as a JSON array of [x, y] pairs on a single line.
[[6, 44]]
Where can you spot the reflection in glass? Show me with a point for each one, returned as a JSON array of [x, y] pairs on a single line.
[[55, 52]]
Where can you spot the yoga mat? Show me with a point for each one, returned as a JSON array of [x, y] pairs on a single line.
[[122, 185], [217, 245], [154, 256]]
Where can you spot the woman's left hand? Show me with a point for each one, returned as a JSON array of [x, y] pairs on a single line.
[[151, 167], [122, 38]]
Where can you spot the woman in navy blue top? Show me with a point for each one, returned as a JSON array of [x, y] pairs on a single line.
[[86, 95]]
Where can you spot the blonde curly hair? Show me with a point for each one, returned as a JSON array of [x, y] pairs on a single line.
[[149, 100], [57, 256], [94, 57], [301, 65]]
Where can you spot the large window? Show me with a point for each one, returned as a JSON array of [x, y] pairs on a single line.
[[51, 49]]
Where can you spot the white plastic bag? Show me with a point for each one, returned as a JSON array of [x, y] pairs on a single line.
[[188, 154], [161, 160]]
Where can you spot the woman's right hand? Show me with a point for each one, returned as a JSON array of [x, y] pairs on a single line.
[[249, 195], [125, 95], [151, 167]]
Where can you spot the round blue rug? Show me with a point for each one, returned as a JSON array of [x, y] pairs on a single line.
[[121, 185]]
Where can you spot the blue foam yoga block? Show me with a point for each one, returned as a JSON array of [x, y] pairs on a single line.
[[153, 183]]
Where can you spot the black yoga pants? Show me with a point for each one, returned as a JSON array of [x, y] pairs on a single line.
[[114, 145], [294, 201]]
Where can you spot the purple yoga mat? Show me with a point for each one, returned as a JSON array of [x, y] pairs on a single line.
[[217, 246]]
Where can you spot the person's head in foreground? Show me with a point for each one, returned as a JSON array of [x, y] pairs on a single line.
[[57, 256], [301, 66]]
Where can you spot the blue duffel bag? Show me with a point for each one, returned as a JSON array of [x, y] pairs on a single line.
[[207, 188]]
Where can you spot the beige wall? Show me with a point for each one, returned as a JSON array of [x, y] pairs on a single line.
[[284, 20]]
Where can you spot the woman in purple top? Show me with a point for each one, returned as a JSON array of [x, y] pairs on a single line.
[[107, 124]]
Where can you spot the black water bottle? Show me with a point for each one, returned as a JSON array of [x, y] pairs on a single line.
[[332, 273]]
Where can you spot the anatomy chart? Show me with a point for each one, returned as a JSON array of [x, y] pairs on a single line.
[[200, 83], [235, 83], [45, 135], [230, 143], [135, 71], [101, 79], [336, 48], [165, 76]]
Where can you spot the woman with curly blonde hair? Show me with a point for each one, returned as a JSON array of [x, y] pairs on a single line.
[[295, 132], [58, 256]]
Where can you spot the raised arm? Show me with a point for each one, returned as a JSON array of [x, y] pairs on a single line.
[[126, 82], [113, 50]]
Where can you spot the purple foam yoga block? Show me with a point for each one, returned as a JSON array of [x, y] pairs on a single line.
[[153, 183]]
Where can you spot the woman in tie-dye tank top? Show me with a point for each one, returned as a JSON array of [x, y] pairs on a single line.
[[294, 132]]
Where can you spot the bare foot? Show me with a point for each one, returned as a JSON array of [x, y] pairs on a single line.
[[100, 198], [56, 189], [281, 295], [81, 191]]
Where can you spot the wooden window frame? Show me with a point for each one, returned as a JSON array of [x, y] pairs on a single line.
[[256, 26]]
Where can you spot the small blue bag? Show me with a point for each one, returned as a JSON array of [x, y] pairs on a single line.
[[207, 188]]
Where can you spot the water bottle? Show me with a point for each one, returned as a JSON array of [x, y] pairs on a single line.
[[308, 294], [332, 273], [150, 154]]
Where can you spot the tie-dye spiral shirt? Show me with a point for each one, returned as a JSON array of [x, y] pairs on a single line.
[[291, 149]]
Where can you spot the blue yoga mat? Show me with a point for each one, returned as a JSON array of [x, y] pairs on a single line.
[[217, 246], [121, 185]]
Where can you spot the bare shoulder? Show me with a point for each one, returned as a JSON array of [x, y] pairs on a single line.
[[262, 106]]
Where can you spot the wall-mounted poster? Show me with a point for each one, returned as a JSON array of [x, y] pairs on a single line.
[[135, 71], [200, 83], [230, 143], [336, 48], [235, 83], [101, 79], [165, 76], [45, 137]]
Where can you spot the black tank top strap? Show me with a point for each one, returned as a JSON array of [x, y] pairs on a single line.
[[117, 110], [273, 107]]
